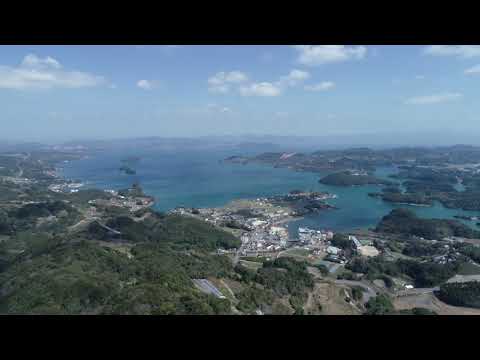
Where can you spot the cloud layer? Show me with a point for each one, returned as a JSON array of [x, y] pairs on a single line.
[[473, 70], [260, 89], [44, 73], [461, 51], [221, 81], [434, 99], [323, 86], [146, 84], [313, 55]]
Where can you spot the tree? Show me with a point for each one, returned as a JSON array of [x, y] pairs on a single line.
[[380, 305]]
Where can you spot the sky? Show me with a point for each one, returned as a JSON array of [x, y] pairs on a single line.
[[51, 93]]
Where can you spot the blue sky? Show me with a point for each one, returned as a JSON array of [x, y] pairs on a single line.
[[72, 92]]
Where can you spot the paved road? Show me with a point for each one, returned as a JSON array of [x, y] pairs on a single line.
[[237, 255], [369, 290], [208, 288], [20, 169], [419, 291]]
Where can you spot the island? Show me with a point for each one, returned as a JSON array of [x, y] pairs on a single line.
[[353, 178], [415, 199], [128, 170]]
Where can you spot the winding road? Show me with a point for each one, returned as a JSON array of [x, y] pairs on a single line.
[[367, 294]]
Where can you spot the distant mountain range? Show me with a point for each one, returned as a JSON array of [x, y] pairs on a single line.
[[259, 143]]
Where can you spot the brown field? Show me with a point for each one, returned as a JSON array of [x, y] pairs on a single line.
[[431, 302]]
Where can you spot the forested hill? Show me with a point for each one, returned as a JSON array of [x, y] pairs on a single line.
[[403, 221], [148, 272]]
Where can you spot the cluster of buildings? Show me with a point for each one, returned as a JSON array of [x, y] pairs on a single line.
[[314, 238], [364, 250], [131, 203], [259, 222], [318, 196], [17, 180], [264, 239], [65, 187]]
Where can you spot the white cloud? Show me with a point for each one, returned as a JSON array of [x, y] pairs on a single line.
[[33, 61], [313, 55], [323, 86], [147, 84], [46, 73], [221, 81], [293, 78], [434, 99], [473, 70], [218, 108], [461, 51], [260, 89]]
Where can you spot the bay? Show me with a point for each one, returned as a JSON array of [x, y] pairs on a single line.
[[201, 179]]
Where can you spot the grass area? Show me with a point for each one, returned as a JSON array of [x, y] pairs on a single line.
[[251, 265], [469, 269], [300, 254], [259, 259]]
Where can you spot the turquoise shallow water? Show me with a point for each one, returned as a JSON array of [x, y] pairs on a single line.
[[198, 179]]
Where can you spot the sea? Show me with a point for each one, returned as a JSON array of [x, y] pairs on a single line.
[[199, 178]]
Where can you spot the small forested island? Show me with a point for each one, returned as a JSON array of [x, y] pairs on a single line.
[[131, 159], [404, 198], [127, 170], [348, 178], [237, 160], [128, 165]]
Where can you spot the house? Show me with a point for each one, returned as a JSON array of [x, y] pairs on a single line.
[[332, 250], [355, 241]]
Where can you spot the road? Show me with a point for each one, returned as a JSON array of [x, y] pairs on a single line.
[[237, 255], [207, 287], [369, 290], [20, 170], [90, 220], [419, 291]]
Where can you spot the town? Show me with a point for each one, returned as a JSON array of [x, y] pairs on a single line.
[[262, 224]]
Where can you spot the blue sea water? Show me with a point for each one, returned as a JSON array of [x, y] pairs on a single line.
[[200, 179]]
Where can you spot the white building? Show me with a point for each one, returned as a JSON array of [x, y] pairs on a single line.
[[332, 250]]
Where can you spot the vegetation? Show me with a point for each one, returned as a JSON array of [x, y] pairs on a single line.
[[424, 274], [342, 242], [407, 198], [403, 221], [348, 179], [180, 231], [380, 305], [461, 294], [285, 276], [357, 293], [419, 248], [471, 251], [417, 312]]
